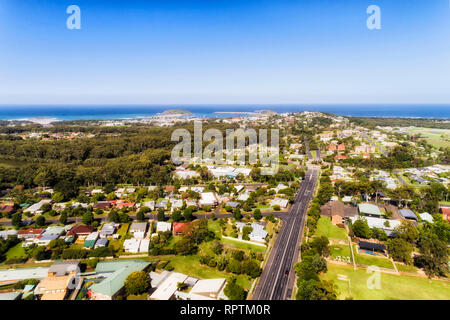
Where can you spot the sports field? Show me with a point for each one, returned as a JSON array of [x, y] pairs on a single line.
[[392, 287], [436, 137]]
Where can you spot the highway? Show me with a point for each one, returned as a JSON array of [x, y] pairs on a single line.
[[308, 152], [277, 278]]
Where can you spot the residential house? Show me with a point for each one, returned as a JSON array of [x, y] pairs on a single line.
[[116, 273], [80, 231], [108, 230], [36, 208], [90, 240], [258, 233], [207, 289], [282, 203], [408, 214], [179, 227], [368, 209], [58, 281], [138, 229], [162, 226], [208, 199], [28, 233]]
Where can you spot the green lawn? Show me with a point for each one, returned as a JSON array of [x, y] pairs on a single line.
[[243, 245], [339, 250], [327, 229], [16, 252], [191, 266], [436, 137], [405, 268], [392, 287], [215, 226]]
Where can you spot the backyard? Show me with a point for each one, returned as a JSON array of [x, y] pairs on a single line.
[[327, 229]]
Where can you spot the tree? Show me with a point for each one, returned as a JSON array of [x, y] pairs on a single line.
[[360, 228], [63, 218], [310, 267], [188, 214], [16, 220], [140, 216], [88, 218], [137, 282], [46, 207], [113, 216], [321, 246], [161, 216], [433, 257], [316, 290], [407, 231], [234, 291], [400, 250], [237, 214], [40, 221], [186, 246], [176, 215], [257, 214], [58, 197], [251, 267]]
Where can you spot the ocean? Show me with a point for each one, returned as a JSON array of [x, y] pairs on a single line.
[[99, 112]]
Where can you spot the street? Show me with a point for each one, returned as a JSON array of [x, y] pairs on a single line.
[[277, 279]]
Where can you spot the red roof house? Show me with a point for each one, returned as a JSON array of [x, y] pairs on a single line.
[[29, 233], [178, 227], [80, 230], [446, 213]]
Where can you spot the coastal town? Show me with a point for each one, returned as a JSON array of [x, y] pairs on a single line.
[[97, 210]]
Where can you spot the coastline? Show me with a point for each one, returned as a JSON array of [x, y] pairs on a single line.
[[42, 113]]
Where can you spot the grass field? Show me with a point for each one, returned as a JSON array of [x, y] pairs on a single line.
[[405, 268], [436, 137], [327, 229], [243, 245], [339, 250], [16, 252], [392, 287], [191, 266]]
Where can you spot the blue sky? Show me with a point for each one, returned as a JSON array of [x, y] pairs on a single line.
[[189, 52]]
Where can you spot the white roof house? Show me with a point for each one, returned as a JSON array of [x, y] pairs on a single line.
[[138, 229], [379, 223], [243, 196], [132, 245], [280, 202], [8, 233], [36, 208], [258, 233], [143, 246], [162, 226], [207, 199], [167, 286], [347, 199], [23, 273], [369, 209], [206, 289], [426, 217]]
